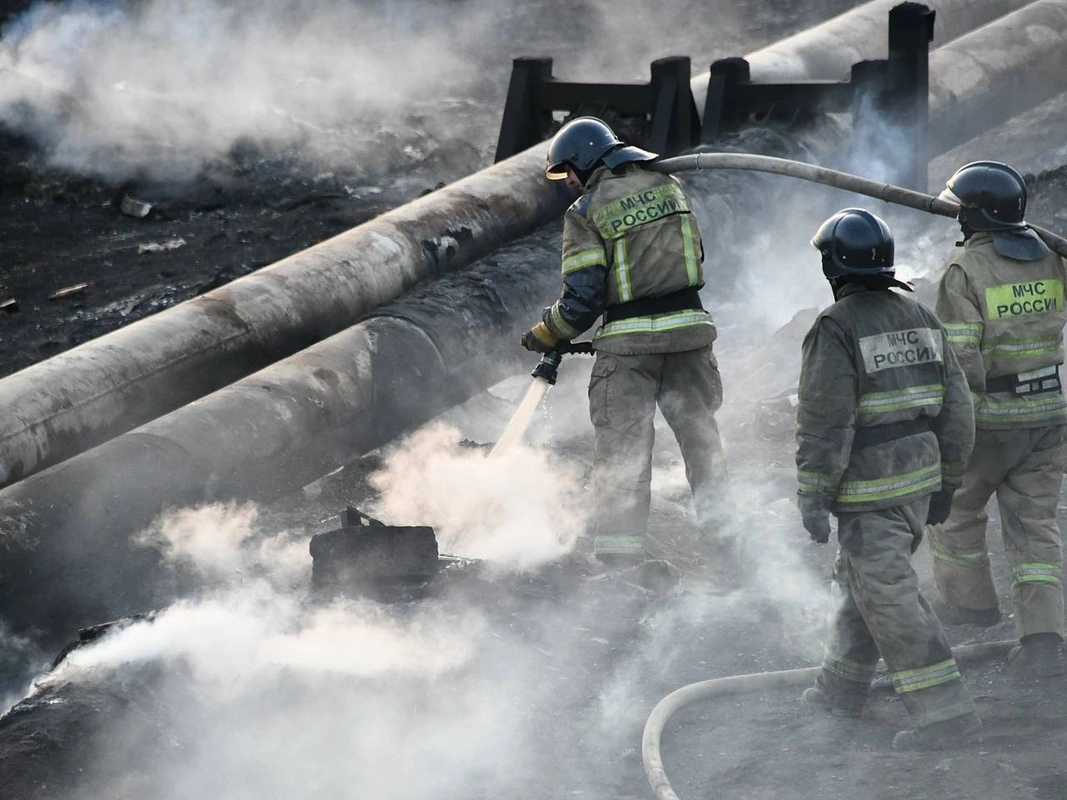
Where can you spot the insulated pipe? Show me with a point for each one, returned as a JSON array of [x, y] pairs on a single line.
[[997, 71], [68, 551], [745, 684], [70, 402], [86, 395], [835, 178], [828, 51]]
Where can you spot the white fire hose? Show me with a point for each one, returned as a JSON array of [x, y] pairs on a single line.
[[744, 684], [832, 177]]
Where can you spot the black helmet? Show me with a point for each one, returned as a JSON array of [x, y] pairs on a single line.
[[991, 196], [585, 142], [854, 243]]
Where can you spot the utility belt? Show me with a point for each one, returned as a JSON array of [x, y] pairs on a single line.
[[1025, 384], [683, 300], [880, 434]]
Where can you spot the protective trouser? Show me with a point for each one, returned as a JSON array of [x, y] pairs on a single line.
[[1024, 467], [883, 612], [624, 391]]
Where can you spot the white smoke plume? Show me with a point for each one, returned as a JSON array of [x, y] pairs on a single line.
[[517, 508]]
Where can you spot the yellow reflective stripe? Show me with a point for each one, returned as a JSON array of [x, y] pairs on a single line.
[[689, 247], [619, 216], [891, 486], [912, 680], [1036, 572], [559, 325], [970, 557], [584, 258], [1023, 348], [964, 332], [622, 272], [953, 473], [1025, 409], [909, 397], [814, 482], [847, 668], [624, 545], [655, 324], [1024, 299]]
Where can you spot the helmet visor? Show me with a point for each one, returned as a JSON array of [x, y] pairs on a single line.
[[950, 196], [557, 171]]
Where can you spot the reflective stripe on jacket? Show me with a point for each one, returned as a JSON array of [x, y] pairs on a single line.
[[631, 236], [1005, 317], [876, 358]]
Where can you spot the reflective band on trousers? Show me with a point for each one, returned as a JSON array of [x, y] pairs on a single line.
[[912, 680], [624, 545], [847, 668], [1036, 572], [971, 558]]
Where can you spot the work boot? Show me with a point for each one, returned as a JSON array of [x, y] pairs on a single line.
[[1040, 654], [950, 733], [847, 701], [955, 615]]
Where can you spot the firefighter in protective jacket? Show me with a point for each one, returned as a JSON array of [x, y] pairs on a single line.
[[632, 253], [1002, 300], [884, 429]]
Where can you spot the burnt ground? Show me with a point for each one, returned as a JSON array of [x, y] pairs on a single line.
[[594, 652]]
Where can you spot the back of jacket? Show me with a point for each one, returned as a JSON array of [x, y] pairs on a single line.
[[879, 358], [1005, 318], [637, 225]]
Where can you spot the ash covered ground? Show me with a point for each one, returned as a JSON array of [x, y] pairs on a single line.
[[532, 675]]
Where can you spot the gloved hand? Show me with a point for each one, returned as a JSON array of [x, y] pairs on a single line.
[[539, 339], [815, 510], [940, 506]]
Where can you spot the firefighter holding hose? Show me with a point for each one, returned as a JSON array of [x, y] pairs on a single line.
[[632, 254], [885, 425], [1002, 300]]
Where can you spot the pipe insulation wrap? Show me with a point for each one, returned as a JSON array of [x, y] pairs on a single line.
[[93, 392], [997, 71], [651, 754], [828, 51], [99, 389]]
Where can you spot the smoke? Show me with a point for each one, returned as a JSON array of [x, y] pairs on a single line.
[[222, 541], [517, 508], [164, 88]]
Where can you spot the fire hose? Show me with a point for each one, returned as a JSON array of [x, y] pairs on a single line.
[[831, 177], [743, 684]]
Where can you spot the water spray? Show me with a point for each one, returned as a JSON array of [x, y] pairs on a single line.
[[544, 377]]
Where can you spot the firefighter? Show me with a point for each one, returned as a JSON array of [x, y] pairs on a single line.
[[632, 253], [1001, 299], [884, 429]]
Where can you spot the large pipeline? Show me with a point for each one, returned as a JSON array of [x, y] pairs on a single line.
[[828, 51], [71, 402], [112, 384]]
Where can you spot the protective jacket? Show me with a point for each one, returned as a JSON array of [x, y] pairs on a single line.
[[632, 252], [885, 416], [1005, 322]]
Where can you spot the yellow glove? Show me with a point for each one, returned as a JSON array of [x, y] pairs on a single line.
[[539, 339]]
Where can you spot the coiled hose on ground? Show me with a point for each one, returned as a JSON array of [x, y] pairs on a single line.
[[832, 177], [742, 684]]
